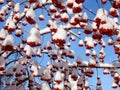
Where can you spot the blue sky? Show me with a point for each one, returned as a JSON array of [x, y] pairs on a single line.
[[91, 4], [110, 56]]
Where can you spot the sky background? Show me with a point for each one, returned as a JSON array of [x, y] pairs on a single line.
[[110, 56]]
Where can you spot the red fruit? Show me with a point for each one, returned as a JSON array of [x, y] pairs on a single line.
[[83, 20], [18, 74], [104, 1], [1, 18], [1, 73], [30, 20], [116, 4], [76, 9], [114, 85], [97, 36], [55, 1], [45, 79], [79, 1], [33, 44], [2, 68], [55, 89], [108, 32], [89, 47], [58, 81], [98, 20], [7, 48], [87, 52], [49, 47], [32, 1], [28, 57], [57, 15], [91, 65], [64, 19], [74, 77], [52, 29], [82, 25], [41, 18], [53, 9], [18, 35], [17, 18], [1, 2], [70, 4], [8, 0], [24, 23], [73, 23], [114, 13], [77, 20], [118, 39], [102, 57], [87, 31]]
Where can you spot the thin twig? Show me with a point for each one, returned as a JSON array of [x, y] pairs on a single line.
[[11, 61], [89, 10], [98, 4], [97, 72], [74, 34]]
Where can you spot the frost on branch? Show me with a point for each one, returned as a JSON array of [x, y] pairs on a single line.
[[45, 86], [41, 17], [2, 65], [30, 16], [19, 32], [28, 51], [17, 7], [34, 37], [10, 24], [1, 1], [77, 8], [64, 17], [3, 34], [114, 12], [59, 37], [99, 15], [8, 43]]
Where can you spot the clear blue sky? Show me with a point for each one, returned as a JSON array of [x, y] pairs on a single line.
[[110, 56], [91, 4]]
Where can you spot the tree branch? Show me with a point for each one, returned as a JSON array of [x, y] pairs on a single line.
[[11, 61], [89, 10], [101, 65]]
